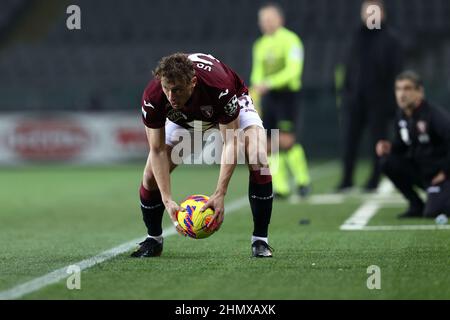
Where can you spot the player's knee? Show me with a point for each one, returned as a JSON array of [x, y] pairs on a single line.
[[256, 147], [258, 159], [260, 175]]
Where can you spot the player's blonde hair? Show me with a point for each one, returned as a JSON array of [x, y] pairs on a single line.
[[175, 67]]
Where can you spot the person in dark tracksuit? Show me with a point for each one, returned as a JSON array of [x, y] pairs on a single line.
[[375, 58], [420, 153]]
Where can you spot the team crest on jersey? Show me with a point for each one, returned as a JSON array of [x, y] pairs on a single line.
[[423, 136], [232, 106], [176, 115], [422, 126], [207, 111]]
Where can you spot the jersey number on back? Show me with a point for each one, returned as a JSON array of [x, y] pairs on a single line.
[[202, 63]]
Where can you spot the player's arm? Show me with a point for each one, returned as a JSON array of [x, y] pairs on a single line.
[[229, 155], [227, 165], [161, 170], [159, 161]]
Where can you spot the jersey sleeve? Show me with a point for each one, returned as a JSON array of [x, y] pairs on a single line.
[[153, 113], [226, 89], [229, 110]]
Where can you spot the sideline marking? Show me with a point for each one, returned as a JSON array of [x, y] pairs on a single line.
[[60, 274], [368, 209]]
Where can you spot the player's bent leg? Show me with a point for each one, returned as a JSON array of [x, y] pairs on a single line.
[[260, 192], [148, 179], [260, 184], [152, 209]]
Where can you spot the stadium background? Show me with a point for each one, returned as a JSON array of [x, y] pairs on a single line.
[[46, 68], [74, 97]]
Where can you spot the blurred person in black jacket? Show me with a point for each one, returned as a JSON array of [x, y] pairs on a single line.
[[420, 152], [373, 62]]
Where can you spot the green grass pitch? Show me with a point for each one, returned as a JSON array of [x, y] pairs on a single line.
[[52, 217]]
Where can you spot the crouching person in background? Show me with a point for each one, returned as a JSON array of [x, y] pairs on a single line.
[[419, 155]]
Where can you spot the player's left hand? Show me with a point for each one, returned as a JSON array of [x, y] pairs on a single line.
[[216, 203], [172, 209], [440, 177]]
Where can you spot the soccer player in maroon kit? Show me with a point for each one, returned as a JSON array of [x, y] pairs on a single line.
[[198, 87]]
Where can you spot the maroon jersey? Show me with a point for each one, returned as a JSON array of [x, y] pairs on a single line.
[[214, 99]]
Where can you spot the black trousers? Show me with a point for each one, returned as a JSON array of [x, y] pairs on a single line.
[[405, 176], [356, 117]]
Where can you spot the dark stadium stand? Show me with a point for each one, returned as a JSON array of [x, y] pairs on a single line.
[[9, 9], [122, 41]]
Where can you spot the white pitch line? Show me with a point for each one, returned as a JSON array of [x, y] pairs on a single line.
[[60, 274], [361, 216], [335, 198], [406, 227], [327, 198], [368, 209], [358, 221], [386, 187]]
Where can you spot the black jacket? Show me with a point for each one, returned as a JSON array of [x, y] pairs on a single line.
[[374, 60], [424, 138]]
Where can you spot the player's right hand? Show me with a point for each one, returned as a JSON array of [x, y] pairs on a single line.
[[173, 208], [383, 148], [216, 203]]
